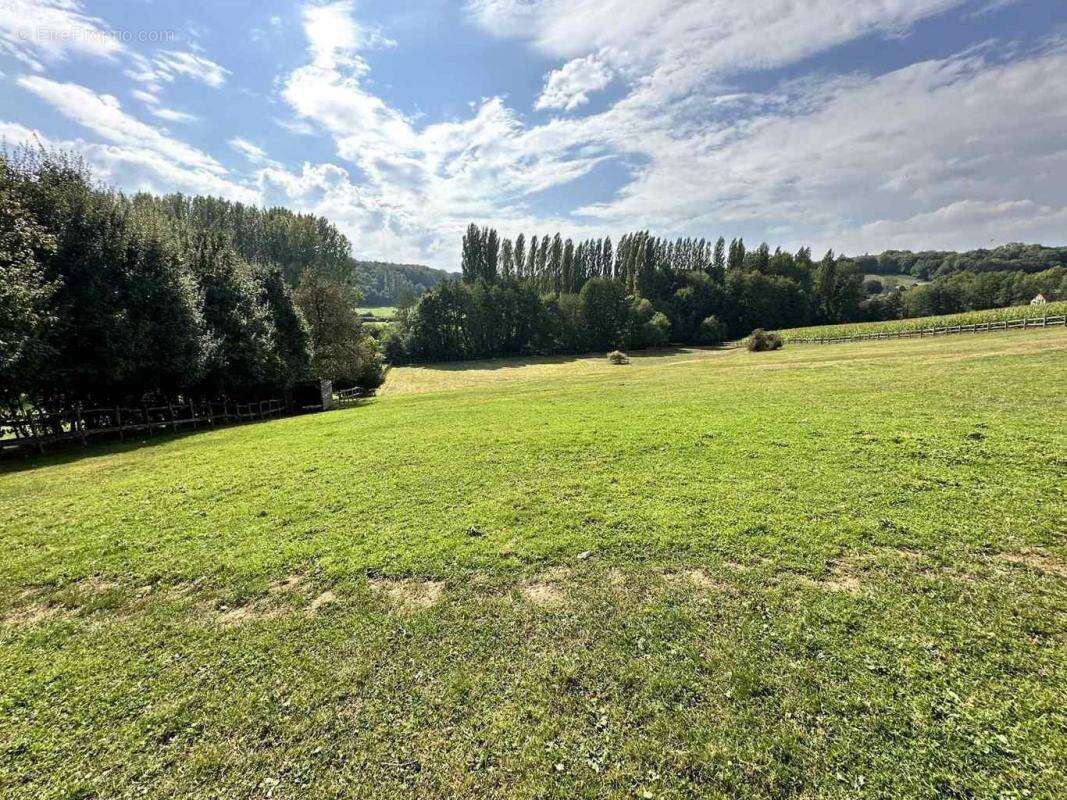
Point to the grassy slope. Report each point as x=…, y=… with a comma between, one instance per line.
x=832, y=571
x=891, y=281
x=917, y=323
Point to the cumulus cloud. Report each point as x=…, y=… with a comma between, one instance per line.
x=420, y=182
x=135, y=168
x=674, y=45
x=820, y=160
x=134, y=154
x=919, y=138
x=38, y=32
x=949, y=152
x=569, y=86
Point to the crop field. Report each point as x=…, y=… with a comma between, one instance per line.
x=917, y=323
x=821, y=572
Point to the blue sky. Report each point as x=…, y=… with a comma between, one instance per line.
x=853, y=124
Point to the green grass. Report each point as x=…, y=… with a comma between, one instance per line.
x=820, y=572
x=379, y=311
x=892, y=281
x=917, y=323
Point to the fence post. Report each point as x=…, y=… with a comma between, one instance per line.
x=79, y=424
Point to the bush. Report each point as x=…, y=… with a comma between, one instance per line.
x=618, y=357
x=711, y=331
x=394, y=344
x=657, y=331
x=371, y=372
x=761, y=340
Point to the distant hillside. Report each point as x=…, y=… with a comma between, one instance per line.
x=937, y=263
x=385, y=284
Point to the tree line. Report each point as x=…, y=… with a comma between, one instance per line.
x=386, y=284
x=107, y=298
x=548, y=294
x=931, y=264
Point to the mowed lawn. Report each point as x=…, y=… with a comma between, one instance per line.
x=835, y=571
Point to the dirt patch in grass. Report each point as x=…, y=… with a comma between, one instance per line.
x=34, y=606
x=290, y=583
x=834, y=582
x=35, y=614
x=250, y=612
x=544, y=590
x=1035, y=559
x=95, y=584
x=738, y=566
x=842, y=575
x=325, y=599
x=410, y=594
x=696, y=578
x=542, y=595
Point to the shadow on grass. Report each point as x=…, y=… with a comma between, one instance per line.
x=515, y=362
x=69, y=451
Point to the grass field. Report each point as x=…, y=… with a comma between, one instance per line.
x=834, y=571
x=917, y=323
x=386, y=312
x=892, y=281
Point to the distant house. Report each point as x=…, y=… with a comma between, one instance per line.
x=1039, y=300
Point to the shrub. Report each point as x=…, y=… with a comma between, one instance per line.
x=657, y=331
x=393, y=341
x=711, y=331
x=761, y=340
x=618, y=357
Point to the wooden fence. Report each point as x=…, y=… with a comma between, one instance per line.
x=349, y=397
x=37, y=430
x=920, y=333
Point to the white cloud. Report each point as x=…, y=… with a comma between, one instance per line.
x=831, y=161
x=569, y=86
x=172, y=115
x=135, y=168
x=252, y=152
x=42, y=31
x=961, y=225
x=913, y=141
x=135, y=155
x=420, y=183
x=145, y=97
x=166, y=66
x=674, y=45
x=945, y=153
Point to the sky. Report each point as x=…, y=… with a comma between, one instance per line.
x=858, y=125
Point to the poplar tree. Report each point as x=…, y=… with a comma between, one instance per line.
x=555, y=264
x=718, y=260
x=490, y=254
x=519, y=256
x=507, y=264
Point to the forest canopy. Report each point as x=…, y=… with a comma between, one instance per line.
x=110, y=298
